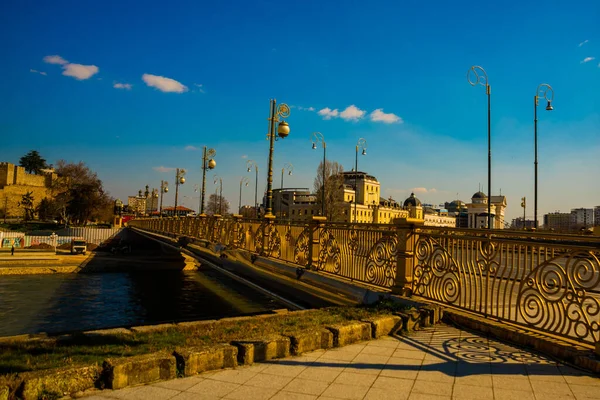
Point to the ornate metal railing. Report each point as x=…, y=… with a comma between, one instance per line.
x=549, y=283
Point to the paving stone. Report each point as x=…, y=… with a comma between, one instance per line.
x=427, y=396
x=397, y=384
x=284, y=370
x=306, y=386
x=293, y=396
x=269, y=381
x=180, y=384
x=585, y=391
x=378, y=351
x=323, y=374
x=509, y=394
x=251, y=393
x=511, y=382
x=470, y=392
x=213, y=388
x=239, y=376
x=474, y=380
x=340, y=391
x=433, y=387
x=193, y=396
x=351, y=378
x=543, y=388
x=410, y=354
x=385, y=393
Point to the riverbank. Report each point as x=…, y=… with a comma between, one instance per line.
x=34, y=364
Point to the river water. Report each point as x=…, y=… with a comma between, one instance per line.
x=72, y=302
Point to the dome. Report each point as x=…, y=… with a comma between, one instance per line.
x=479, y=195
x=412, y=201
x=457, y=203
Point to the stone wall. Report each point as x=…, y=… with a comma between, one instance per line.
x=15, y=182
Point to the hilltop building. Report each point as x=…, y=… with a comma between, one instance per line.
x=15, y=182
x=477, y=211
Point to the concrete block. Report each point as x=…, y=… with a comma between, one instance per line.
x=122, y=372
x=152, y=328
x=59, y=382
x=197, y=324
x=251, y=351
x=344, y=334
x=108, y=332
x=192, y=361
x=384, y=325
x=310, y=341
x=411, y=319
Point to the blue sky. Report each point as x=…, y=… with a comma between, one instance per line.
x=136, y=88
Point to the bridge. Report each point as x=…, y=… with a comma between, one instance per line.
x=546, y=283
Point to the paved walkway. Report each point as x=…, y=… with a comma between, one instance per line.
x=437, y=363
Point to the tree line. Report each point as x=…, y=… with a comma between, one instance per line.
x=76, y=195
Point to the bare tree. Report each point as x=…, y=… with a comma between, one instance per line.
x=217, y=205
x=333, y=184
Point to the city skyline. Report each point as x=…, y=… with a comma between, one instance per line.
x=136, y=92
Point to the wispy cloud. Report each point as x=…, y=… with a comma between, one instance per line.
x=163, y=169
x=164, y=84
x=352, y=113
x=200, y=87
x=306, y=108
x=245, y=156
x=191, y=148
x=387, y=118
x=55, y=60
x=78, y=71
x=423, y=190
x=584, y=42
x=328, y=113
x=587, y=59
x=126, y=86
x=38, y=72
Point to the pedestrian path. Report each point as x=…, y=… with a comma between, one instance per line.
x=437, y=363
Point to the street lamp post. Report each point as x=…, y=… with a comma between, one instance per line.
x=481, y=78
x=362, y=143
x=249, y=165
x=318, y=137
x=243, y=181
x=217, y=179
x=283, y=130
x=164, y=188
x=207, y=162
x=547, y=93
x=290, y=168
x=53, y=237
x=179, y=180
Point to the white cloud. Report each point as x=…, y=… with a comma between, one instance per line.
x=38, y=72
x=328, y=113
x=126, y=86
x=79, y=71
x=584, y=42
x=306, y=108
x=588, y=59
x=352, y=113
x=423, y=190
x=191, y=148
x=55, y=60
x=163, y=169
x=379, y=116
x=245, y=156
x=200, y=87
x=164, y=84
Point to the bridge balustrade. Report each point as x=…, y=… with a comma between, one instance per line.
x=546, y=282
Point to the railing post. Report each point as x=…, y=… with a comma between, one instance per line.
x=236, y=230
x=405, y=261
x=269, y=221
x=314, y=245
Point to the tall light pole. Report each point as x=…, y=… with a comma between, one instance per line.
x=362, y=143
x=243, y=181
x=217, y=179
x=547, y=93
x=164, y=188
x=249, y=165
x=318, y=137
x=290, y=168
x=179, y=180
x=283, y=130
x=207, y=162
x=477, y=76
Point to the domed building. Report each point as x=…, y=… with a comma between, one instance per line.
x=414, y=207
x=477, y=211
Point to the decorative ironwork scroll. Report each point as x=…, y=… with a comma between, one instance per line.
x=329, y=252
x=382, y=261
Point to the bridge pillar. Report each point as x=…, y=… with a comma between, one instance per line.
x=314, y=245
x=405, y=261
x=267, y=227
x=237, y=227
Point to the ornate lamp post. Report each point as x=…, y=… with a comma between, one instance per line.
x=243, y=181
x=544, y=90
x=207, y=162
x=217, y=179
x=318, y=137
x=249, y=165
x=179, y=180
x=164, y=188
x=477, y=76
x=290, y=168
x=283, y=129
x=361, y=144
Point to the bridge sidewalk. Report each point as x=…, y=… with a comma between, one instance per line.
x=438, y=363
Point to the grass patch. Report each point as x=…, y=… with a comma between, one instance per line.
x=80, y=350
